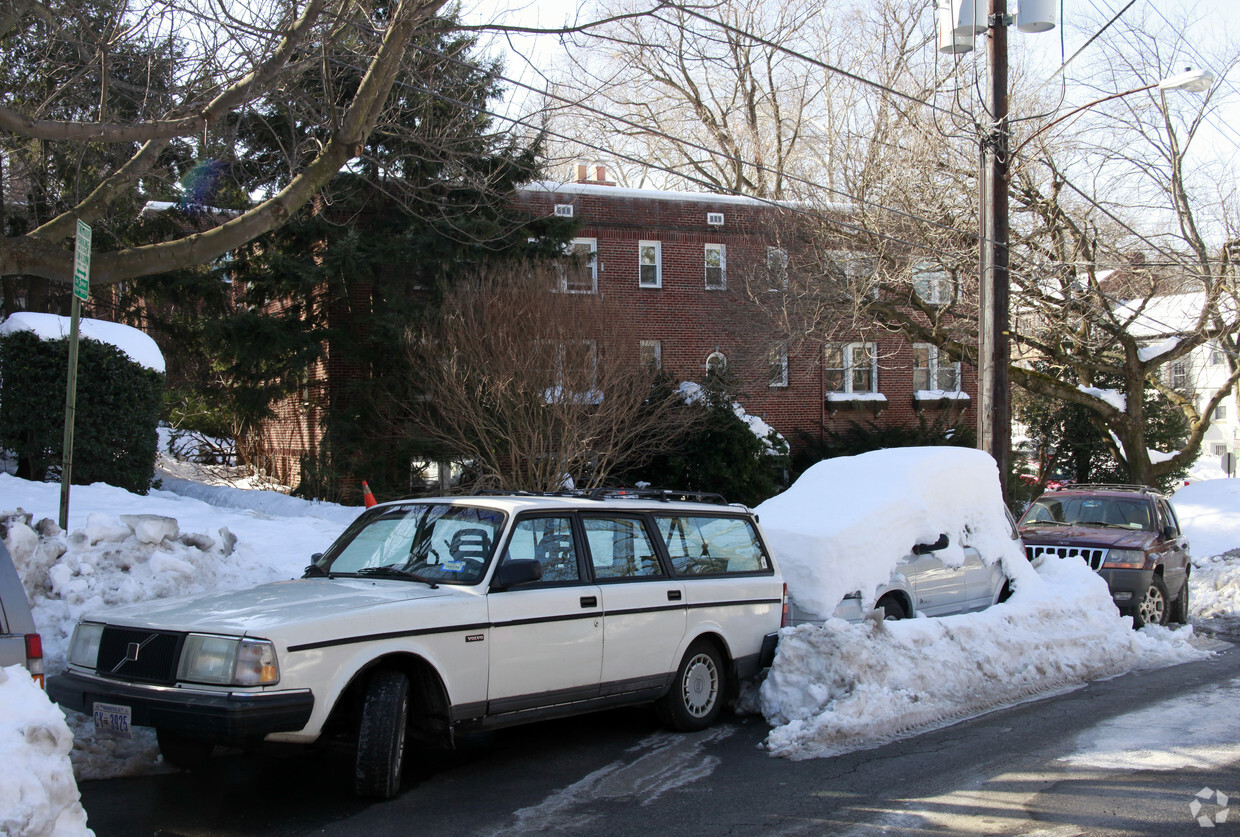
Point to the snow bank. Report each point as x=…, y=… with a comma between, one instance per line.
x=37, y=793
x=846, y=522
x=138, y=345
x=842, y=686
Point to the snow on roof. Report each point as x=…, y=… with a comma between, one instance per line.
x=598, y=189
x=846, y=522
x=140, y=348
x=1166, y=315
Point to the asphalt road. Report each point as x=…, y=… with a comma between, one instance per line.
x=618, y=773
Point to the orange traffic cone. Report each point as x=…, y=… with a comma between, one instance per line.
x=367, y=498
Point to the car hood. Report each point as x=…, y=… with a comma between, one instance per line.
x=1097, y=536
x=279, y=605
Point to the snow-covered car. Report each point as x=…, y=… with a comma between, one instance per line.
x=1129, y=534
x=431, y=617
x=903, y=531
x=20, y=643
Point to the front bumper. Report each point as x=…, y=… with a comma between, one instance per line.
x=1128, y=587
x=221, y=715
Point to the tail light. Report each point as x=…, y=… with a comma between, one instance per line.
x=34, y=658
x=786, y=617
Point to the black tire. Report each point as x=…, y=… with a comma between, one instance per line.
x=182, y=751
x=1179, y=608
x=696, y=697
x=892, y=609
x=381, y=733
x=1153, y=607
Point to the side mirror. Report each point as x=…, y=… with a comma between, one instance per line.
x=516, y=572
x=1168, y=532
x=927, y=548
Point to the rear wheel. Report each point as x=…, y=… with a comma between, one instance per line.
x=1152, y=609
x=696, y=697
x=381, y=735
x=892, y=609
x=182, y=751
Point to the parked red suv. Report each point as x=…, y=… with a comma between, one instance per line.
x=1128, y=533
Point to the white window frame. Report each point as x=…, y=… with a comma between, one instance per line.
x=778, y=359
x=777, y=265
x=935, y=278
x=933, y=369
x=714, y=359
x=592, y=266
x=558, y=390
x=722, y=250
x=848, y=353
x=1220, y=412
x=653, y=348
x=658, y=263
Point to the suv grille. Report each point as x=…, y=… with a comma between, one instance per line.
x=1094, y=556
x=148, y=656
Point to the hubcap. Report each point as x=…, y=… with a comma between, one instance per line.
x=1153, y=606
x=701, y=685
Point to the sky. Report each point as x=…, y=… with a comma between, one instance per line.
x=835, y=687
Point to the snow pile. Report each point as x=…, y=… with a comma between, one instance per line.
x=138, y=345
x=842, y=686
x=846, y=522
x=37, y=793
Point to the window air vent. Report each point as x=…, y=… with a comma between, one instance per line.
x=715, y=219
x=564, y=210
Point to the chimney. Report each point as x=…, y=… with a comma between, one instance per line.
x=582, y=171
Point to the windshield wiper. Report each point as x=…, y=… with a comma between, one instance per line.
x=315, y=571
x=396, y=572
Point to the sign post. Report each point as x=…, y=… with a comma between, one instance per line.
x=1228, y=463
x=81, y=290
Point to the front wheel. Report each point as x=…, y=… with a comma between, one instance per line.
x=893, y=609
x=1179, y=608
x=696, y=697
x=381, y=735
x=1152, y=609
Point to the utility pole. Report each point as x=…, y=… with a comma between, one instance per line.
x=994, y=414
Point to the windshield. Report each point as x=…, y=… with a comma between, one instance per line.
x=1089, y=511
x=431, y=542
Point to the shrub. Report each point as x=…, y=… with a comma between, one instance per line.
x=116, y=413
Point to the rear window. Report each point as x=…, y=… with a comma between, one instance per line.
x=704, y=545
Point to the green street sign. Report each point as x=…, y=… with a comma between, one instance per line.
x=81, y=261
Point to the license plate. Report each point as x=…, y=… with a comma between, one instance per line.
x=113, y=718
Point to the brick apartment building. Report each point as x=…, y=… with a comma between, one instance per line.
x=685, y=267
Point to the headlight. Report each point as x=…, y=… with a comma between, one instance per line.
x=1128, y=559
x=228, y=661
x=84, y=647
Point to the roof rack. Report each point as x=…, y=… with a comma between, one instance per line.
x=665, y=495
x=1111, y=486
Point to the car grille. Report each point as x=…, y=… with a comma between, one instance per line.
x=147, y=656
x=1092, y=555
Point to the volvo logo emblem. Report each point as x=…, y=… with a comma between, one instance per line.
x=131, y=653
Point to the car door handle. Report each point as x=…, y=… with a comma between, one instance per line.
x=673, y=595
x=589, y=601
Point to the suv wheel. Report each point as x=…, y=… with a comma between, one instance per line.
x=1152, y=609
x=893, y=609
x=1179, y=609
x=696, y=698
x=381, y=735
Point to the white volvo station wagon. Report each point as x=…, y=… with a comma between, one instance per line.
x=435, y=616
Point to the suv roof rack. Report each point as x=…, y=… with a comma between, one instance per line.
x=664, y=495
x=1110, y=486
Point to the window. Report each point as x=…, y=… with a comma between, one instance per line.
x=650, y=354
x=564, y=210
x=569, y=371
x=1220, y=412
x=716, y=267
x=777, y=266
x=711, y=545
x=620, y=548
x=650, y=264
x=778, y=359
x=716, y=363
x=1216, y=355
x=579, y=274
x=549, y=541
x=851, y=367
x=930, y=374
x=714, y=219
x=932, y=284
x=1218, y=448
x=1179, y=374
